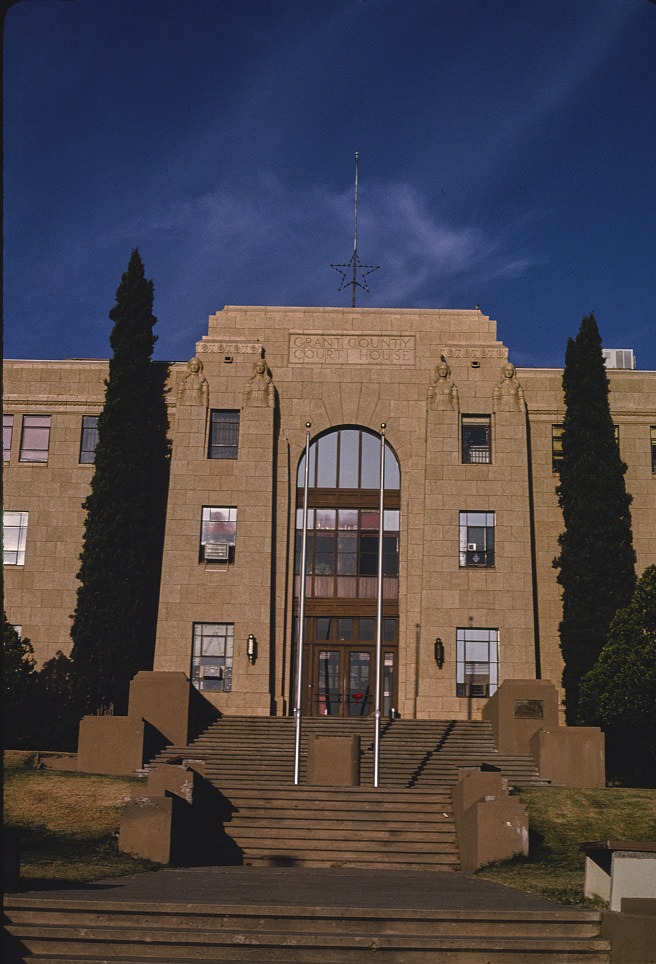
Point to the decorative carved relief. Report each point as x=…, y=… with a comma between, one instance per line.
x=456, y=352
x=260, y=391
x=194, y=389
x=508, y=393
x=442, y=393
x=229, y=347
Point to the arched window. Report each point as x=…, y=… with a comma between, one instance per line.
x=348, y=458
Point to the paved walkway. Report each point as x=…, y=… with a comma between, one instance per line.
x=303, y=886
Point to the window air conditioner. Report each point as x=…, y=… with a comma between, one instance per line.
x=217, y=551
x=479, y=689
x=471, y=547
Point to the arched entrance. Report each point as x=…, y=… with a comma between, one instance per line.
x=341, y=573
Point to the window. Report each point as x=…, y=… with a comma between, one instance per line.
x=35, y=439
x=211, y=660
x=342, y=553
x=14, y=538
x=477, y=659
x=348, y=458
x=652, y=433
x=217, y=533
x=7, y=429
x=89, y=438
x=477, y=539
x=476, y=438
x=224, y=435
x=557, y=445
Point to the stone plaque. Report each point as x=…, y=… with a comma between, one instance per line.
x=529, y=709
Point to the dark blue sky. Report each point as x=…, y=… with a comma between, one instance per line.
x=507, y=158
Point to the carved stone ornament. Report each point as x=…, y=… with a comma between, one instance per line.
x=508, y=393
x=260, y=391
x=442, y=393
x=468, y=352
x=229, y=347
x=194, y=389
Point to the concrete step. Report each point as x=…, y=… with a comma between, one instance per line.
x=557, y=923
x=81, y=932
x=296, y=830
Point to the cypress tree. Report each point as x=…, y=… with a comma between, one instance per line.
x=597, y=560
x=115, y=619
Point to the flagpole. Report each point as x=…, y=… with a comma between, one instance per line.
x=355, y=234
x=379, y=608
x=301, y=615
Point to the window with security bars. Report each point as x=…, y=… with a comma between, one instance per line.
x=477, y=539
x=652, y=433
x=224, y=435
x=477, y=662
x=35, y=438
x=211, y=658
x=14, y=538
x=89, y=438
x=7, y=431
x=476, y=438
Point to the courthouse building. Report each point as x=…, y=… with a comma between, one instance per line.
x=471, y=520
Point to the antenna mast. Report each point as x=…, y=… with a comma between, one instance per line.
x=355, y=263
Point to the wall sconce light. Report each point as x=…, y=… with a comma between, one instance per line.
x=439, y=653
x=251, y=648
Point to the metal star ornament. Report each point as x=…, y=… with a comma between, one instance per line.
x=349, y=271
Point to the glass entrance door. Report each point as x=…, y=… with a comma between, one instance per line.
x=340, y=681
x=340, y=666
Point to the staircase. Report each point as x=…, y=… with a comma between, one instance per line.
x=406, y=823
x=341, y=827
x=43, y=931
x=419, y=754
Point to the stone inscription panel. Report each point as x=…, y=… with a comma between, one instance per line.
x=312, y=348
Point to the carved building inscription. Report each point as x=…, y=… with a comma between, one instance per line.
x=351, y=349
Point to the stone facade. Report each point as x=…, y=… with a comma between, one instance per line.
x=426, y=374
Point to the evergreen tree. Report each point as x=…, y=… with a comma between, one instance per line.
x=116, y=614
x=596, y=561
x=620, y=690
x=17, y=666
x=17, y=683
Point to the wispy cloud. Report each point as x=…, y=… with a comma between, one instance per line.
x=277, y=245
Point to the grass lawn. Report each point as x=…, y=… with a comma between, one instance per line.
x=68, y=822
x=560, y=818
